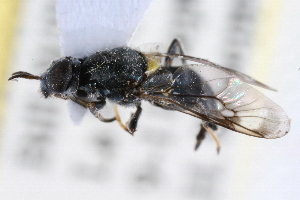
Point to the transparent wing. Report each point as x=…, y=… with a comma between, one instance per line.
x=243, y=77
x=217, y=95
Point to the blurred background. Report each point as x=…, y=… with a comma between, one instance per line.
x=45, y=156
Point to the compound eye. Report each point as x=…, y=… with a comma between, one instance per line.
x=59, y=75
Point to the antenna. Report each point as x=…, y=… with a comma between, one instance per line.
x=25, y=75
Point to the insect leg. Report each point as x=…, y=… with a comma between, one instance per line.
x=93, y=107
x=82, y=103
x=118, y=118
x=200, y=137
x=131, y=124
x=175, y=48
x=210, y=128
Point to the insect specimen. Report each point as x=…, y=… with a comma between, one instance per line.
x=217, y=95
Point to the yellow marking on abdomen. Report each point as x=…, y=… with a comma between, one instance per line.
x=153, y=63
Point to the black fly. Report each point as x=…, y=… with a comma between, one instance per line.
x=124, y=76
